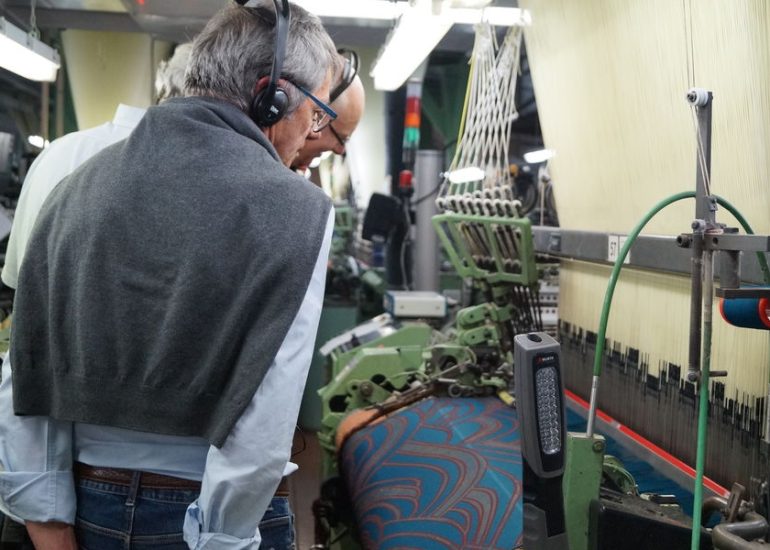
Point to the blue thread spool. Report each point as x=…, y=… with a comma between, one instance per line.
x=746, y=312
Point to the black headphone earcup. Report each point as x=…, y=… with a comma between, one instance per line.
x=268, y=111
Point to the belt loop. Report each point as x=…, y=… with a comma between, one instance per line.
x=133, y=491
x=136, y=482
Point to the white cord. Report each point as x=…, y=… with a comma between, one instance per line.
x=491, y=110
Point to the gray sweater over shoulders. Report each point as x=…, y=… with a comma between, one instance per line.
x=163, y=275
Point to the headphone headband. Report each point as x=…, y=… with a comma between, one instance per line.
x=349, y=72
x=282, y=16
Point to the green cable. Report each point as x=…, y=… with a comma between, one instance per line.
x=700, y=453
x=703, y=403
x=616, y=272
x=700, y=458
x=605, y=314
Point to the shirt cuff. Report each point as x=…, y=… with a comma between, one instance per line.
x=199, y=540
x=36, y=496
x=289, y=469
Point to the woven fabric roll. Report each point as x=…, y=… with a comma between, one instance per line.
x=441, y=474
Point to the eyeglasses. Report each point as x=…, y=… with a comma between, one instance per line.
x=342, y=142
x=321, y=117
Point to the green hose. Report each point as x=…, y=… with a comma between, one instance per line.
x=700, y=453
x=703, y=391
x=627, y=246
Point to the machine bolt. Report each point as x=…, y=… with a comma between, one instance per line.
x=366, y=389
x=684, y=240
x=598, y=446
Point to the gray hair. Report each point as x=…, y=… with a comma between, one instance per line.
x=169, y=78
x=236, y=47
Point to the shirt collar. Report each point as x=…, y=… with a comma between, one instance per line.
x=128, y=116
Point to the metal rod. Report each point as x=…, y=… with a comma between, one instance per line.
x=767, y=416
x=696, y=307
x=702, y=268
x=592, y=407
x=702, y=99
x=45, y=96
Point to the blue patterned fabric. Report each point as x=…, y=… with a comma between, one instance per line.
x=441, y=474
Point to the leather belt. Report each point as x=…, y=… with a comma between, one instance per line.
x=121, y=476
x=283, y=488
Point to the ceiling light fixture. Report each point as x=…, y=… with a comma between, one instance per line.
x=38, y=141
x=415, y=35
x=420, y=29
x=465, y=175
x=26, y=55
x=541, y=155
x=500, y=17
x=360, y=9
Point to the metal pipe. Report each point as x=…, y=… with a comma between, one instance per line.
x=45, y=99
x=427, y=177
x=592, y=407
x=701, y=99
x=738, y=535
x=767, y=416
x=696, y=305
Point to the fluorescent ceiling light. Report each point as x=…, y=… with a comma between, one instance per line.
x=501, y=17
x=542, y=155
x=419, y=30
x=388, y=10
x=408, y=44
x=26, y=55
x=465, y=175
x=38, y=141
x=360, y=9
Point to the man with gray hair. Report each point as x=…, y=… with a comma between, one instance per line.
x=347, y=98
x=166, y=310
x=169, y=78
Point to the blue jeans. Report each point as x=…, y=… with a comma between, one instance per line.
x=119, y=517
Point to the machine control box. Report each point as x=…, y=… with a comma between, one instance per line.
x=540, y=398
x=415, y=304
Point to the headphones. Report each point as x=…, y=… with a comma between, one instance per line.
x=349, y=72
x=270, y=105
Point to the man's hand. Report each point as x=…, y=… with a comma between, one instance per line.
x=52, y=535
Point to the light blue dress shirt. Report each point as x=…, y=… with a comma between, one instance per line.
x=238, y=479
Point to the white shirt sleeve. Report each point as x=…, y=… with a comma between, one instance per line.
x=241, y=476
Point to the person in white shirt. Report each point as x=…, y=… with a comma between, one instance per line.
x=65, y=154
x=52, y=165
